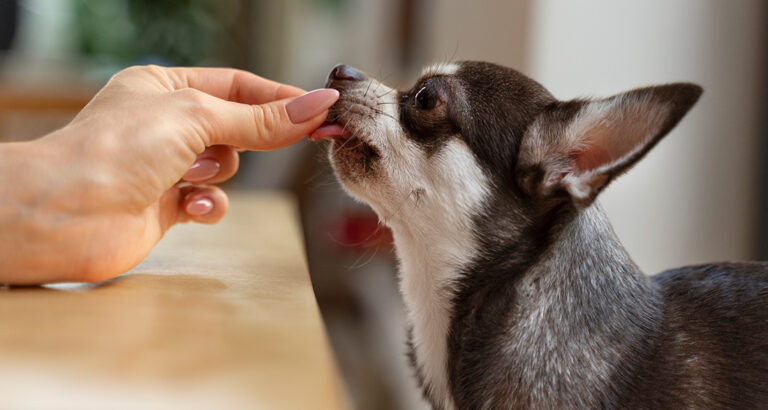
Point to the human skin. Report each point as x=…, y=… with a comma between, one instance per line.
x=89, y=201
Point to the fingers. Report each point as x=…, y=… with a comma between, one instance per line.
x=184, y=203
x=238, y=108
x=202, y=204
x=230, y=84
x=216, y=164
x=272, y=125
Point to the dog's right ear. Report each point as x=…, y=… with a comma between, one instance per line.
x=577, y=147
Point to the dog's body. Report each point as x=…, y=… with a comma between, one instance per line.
x=518, y=291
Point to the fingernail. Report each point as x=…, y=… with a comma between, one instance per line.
x=311, y=104
x=199, y=207
x=202, y=169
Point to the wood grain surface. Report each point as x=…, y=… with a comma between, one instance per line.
x=217, y=317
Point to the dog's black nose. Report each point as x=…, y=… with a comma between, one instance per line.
x=343, y=72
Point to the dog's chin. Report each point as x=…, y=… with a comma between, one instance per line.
x=354, y=159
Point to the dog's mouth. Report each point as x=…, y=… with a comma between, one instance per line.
x=346, y=144
x=329, y=131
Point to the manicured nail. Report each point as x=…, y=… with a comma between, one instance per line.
x=199, y=207
x=310, y=104
x=202, y=169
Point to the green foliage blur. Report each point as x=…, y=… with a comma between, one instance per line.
x=169, y=32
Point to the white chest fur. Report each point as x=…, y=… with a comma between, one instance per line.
x=427, y=291
x=435, y=241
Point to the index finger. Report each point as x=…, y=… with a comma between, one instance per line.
x=231, y=84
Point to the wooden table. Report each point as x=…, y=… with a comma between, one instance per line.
x=217, y=317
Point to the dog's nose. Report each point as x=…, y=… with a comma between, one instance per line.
x=343, y=72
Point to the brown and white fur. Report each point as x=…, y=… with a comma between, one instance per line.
x=518, y=292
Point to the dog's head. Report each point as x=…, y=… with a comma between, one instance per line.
x=470, y=132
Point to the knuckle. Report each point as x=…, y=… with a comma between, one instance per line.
x=136, y=72
x=196, y=106
x=190, y=95
x=135, y=69
x=193, y=101
x=123, y=74
x=266, y=119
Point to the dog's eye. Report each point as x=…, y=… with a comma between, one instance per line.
x=426, y=98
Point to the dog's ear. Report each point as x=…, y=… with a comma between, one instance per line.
x=577, y=147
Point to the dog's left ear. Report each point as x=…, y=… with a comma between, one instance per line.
x=578, y=147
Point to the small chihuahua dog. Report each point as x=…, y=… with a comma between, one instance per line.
x=518, y=292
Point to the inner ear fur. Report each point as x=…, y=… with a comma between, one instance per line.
x=577, y=147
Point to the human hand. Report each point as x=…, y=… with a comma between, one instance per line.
x=89, y=201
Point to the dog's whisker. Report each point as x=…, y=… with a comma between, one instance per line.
x=400, y=206
x=378, y=111
x=313, y=177
x=388, y=92
x=344, y=143
x=361, y=242
x=358, y=266
x=343, y=130
x=368, y=107
x=345, y=112
x=367, y=88
x=359, y=144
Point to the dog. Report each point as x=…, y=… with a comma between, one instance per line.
x=517, y=290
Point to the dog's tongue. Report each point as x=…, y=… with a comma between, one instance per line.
x=327, y=131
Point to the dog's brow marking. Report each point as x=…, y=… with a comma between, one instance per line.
x=441, y=69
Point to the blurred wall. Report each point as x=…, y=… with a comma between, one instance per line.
x=492, y=30
x=45, y=31
x=694, y=197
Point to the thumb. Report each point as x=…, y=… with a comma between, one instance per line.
x=272, y=125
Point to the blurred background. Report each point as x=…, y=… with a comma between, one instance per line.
x=699, y=196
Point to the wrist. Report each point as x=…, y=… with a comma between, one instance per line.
x=16, y=208
x=28, y=221
x=20, y=194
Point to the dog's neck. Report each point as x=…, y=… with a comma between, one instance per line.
x=434, y=243
x=576, y=311
x=575, y=317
